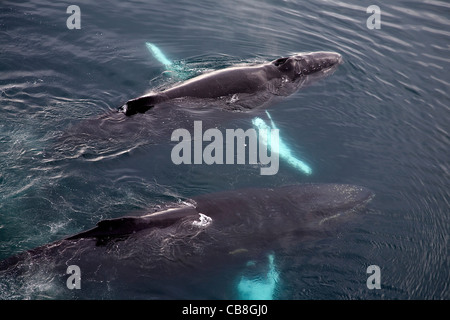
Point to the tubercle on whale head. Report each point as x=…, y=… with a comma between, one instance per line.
x=312, y=62
x=303, y=64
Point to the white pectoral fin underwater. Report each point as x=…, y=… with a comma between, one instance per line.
x=283, y=149
x=174, y=69
x=261, y=285
x=158, y=55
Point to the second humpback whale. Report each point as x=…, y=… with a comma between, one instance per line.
x=280, y=77
x=184, y=248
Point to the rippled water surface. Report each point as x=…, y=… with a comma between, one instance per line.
x=380, y=121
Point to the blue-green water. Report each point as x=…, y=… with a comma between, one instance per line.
x=381, y=121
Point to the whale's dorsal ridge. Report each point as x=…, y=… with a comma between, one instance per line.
x=123, y=226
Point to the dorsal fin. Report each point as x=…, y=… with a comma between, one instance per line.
x=128, y=225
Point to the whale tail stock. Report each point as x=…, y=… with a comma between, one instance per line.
x=138, y=105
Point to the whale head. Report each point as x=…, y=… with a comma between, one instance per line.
x=304, y=64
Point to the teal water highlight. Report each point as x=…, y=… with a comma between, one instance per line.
x=261, y=287
x=157, y=53
x=175, y=70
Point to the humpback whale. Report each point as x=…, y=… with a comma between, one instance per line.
x=161, y=254
x=280, y=77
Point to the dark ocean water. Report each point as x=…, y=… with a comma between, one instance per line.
x=380, y=121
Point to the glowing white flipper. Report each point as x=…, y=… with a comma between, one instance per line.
x=259, y=288
x=284, y=151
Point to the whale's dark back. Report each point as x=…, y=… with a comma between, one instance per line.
x=256, y=85
x=277, y=209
